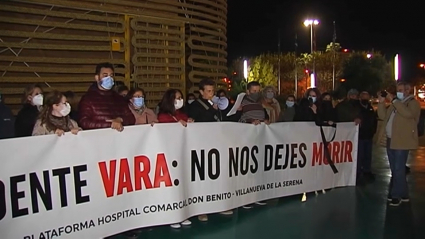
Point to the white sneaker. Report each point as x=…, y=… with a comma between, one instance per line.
x=247, y=206
x=175, y=226
x=203, y=218
x=226, y=213
x=186, y=223
x=261, y=203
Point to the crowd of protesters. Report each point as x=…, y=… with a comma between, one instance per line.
x=106, y=106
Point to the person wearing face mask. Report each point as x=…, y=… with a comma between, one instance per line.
x=171, y=108
x=54, y=117
x=204, y=109
x=308, y=107
x=141, y=112
x=289, y=111
x=190, y=99
x=102, y=107
x=366, y=132
x=349, y=109
x=253, y=111
x=32, y=104
x=399, y=134
x=270, y=104
x=326, y=110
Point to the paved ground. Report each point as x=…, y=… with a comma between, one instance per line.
x=346, y=213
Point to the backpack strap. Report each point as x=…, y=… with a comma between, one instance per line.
x=207, y=108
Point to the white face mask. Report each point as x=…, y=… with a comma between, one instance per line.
x=190, y=101
x=66, y=109
x=178, y=104
x=37, y=100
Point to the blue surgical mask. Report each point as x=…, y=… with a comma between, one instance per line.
x=138, y=102
x=290, y=103
x=107, y=82
x=400, y=95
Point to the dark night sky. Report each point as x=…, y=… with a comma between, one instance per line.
x=360, y=25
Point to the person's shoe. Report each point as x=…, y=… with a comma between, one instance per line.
x=186, y=223
x=247, y=206
x=175, y=225
x=227, y=213
x=261, y=203
x=395, y=202
x=405, y=199
x=203, y=218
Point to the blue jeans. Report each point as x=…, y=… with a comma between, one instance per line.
x=397, y=159
x=364, y=156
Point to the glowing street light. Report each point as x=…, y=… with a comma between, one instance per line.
x=245, y=69
x=311, y=23
x=312, y=81
x=396, y=67
x=369, y=56
x=422, y=66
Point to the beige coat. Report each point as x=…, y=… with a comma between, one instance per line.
x=405, y=124
x=40, y=129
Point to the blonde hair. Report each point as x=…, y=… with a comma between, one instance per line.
x=269, y=87
x=28, y=91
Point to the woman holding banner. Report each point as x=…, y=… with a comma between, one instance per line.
x=142, y=114
x=171, y=108
x=54, y=117
x=170, y=111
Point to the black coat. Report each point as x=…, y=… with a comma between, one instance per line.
x=25, y=120
x=7, y=122
x=369, y=122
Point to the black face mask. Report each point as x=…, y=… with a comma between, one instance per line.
x=364, y=102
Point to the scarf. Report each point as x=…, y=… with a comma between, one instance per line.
x=53, y=123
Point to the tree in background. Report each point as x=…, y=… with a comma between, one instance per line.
x=366, y=74
x=357, y=70
x=262, y=69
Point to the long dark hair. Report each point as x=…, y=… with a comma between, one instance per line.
x=166, y=105
x=52, y=98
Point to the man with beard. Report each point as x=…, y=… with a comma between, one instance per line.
x=101, y=107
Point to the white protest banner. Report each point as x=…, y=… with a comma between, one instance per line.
x=102, y=182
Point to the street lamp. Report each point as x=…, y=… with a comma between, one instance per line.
x=422, y=66
x=396, y=67
x=245, y=72
x=369, y=56
x=311, y=23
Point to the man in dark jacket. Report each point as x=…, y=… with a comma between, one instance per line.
x=368, y=126
x=101, y=107
x=204, y=109
x=349, y=109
